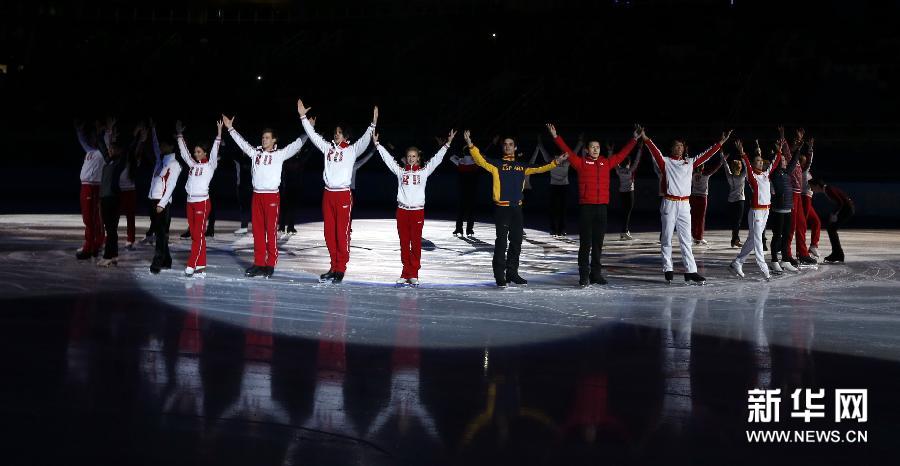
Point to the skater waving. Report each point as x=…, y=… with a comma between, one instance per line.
x=411, y=180
x=201, y=167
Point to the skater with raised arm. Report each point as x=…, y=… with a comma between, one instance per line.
x=162, y=186
x=265, y=167
x=91, y=172
x=201, y=168
x=813, y=223
x=593, y=198
x=675, y=172
x=508, y=176
x=626, y=171
x=737, y=178
x=758, y=214
x=337, y=200
x=699, y=197
x=411, y=180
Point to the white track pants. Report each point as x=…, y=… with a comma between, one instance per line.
x=756, y=219
x=676, y=214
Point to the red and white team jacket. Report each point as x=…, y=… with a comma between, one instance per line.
x=411, y=181
x=199, y=173
x=92, y=167
x=759, y=182
x=675, y=175
x=165, y=174
x=265, y=166
x=339, y=158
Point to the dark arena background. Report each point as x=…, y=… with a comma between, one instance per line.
x=117, y=365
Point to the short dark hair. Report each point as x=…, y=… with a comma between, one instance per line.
x=270, y=131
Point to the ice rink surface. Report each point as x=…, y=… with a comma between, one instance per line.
x=119, y=366
x=853, y=306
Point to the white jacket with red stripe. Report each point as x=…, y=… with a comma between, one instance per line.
x=92, y=167
x=339, y=158
x=199, y=173
x=675, y=174
x=411, y=181
x=165, y=175
x=265, y=166
x=759, y=183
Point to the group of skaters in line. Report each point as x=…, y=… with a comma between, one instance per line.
x=782, y=187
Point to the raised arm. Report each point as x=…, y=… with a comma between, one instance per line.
x=726, y=164
x=386, y=156
x=214, y=152
x=182, y=146
x=712, y=169
x=82, y=139
x=541, y=169
x=620, y=156
x=435, y=161
x=366, y=138
x=242, y=143
x=476, y=154
x=574, y=158
x=154, y=142
x=308, y=126
x=809, y=157
x=655, y=153
x=546, y=155
x=291, y=149
x=712, y=150
x=637, y=159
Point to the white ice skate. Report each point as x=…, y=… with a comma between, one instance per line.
x=108, y=262
x=736, y=268
x=776, y=268
x=788, y=267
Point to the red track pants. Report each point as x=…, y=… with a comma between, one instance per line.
x=90, y=215
x=197, y=213
x=698, y=216
x=798, y=227
x=127, y=207
x=265, y=222
x=337, y=207
x=812, y=221
x=409, y=226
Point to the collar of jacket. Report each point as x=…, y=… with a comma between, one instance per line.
x=413, y=168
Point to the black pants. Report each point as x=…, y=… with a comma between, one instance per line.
x=160, y=222
x=627, y=206
x=781, y=234
x=287, y=216
x=591, y=229
x=558, y=208
x=843, y=217
x=152, y=214
x=465, y=211
x=109, y=212
x=244, y=196
x=736, y=211
x=508, y=222
x=211, y=217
